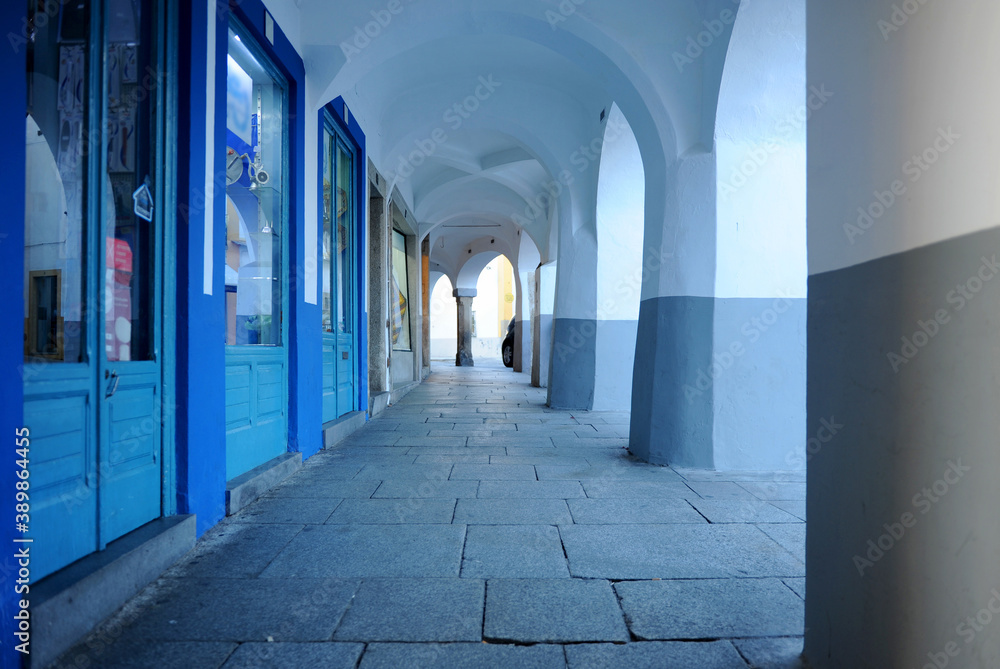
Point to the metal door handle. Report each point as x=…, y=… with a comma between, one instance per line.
x=112, y=385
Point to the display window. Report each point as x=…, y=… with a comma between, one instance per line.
x=400, y=298
x=256, y=149
x=338, y=214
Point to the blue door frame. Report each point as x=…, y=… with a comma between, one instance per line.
x=102, y=460
x=344, y=379
x=257, y=398
x=340, y=346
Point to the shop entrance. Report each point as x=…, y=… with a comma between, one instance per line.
x=340, y=365
x=94, y=255
x=256, y=232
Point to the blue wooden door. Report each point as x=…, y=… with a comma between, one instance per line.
x=94, y=254
x=256, y=240
x=339, y=275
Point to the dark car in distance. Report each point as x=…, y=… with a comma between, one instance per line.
x=507, y=347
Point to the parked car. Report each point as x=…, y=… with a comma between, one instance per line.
x=507, y=347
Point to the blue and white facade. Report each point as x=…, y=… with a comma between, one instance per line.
x=220, y=251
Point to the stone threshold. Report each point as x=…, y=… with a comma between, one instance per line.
x=70, y=603
x=245, y=488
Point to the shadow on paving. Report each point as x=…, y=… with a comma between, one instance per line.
x=471, y=526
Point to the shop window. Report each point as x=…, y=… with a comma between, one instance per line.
x=338, y=216
x=56, y=128
x=255, y=211
x=400, y=302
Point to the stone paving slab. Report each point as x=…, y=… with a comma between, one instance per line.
x=393, y=511
x=655, y=655
x=401, y=472
x=321, y=489
x=415, y=489
x=711, y=609
x=675, y=551
x=741, y=511
x=791, y=537
x=720, y=490
x=624, y=472
x=322, y=471
x=798, y=586
x=636, y=490
x=796, y=508
x=414, y=610
x=466, y=655
x=234, y=550
x=299, y=655
x=622, y=511
x=246, y=610
x=513, y=440
x=493, y=473
x=514, y=551
x=773, y=653
x=287, y=510
x=371, y=551
x=530, y=490
x=512, y=512
x=431, y=441
x=548, y=459
x=547, y=611
x=459, y=458
x=775, y=490
x=146, y=654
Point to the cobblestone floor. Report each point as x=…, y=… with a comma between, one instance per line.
x=471, y=526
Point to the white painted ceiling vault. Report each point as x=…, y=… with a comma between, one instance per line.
x=543, y=71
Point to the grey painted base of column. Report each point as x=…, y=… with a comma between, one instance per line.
x=904, y=378
x=574, y=357
x=758, y=371
x=673, y=343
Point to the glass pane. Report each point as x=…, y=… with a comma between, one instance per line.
x=55, y=184
x=129, y=207
x=328, y=257
x=400, y=304
x=345, y=210
x=254, y=206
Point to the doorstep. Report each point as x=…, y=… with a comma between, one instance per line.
x=336, y=431
x=245, y=488
x=70, y=603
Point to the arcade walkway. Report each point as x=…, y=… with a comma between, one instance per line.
x=470, y=526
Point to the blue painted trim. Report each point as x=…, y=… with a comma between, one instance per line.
x=351, y=131
x=304, y=349
x=201, y=437
x=12, y=112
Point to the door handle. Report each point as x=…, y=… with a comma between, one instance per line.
x=112, y=385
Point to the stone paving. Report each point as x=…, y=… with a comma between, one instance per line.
x=471, y=526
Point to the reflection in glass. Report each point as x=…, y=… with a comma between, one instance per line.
x=400, y=303
x=254, y=206
x=328, y=256
x=55, y=186
x=128, y=230
x=344, y=212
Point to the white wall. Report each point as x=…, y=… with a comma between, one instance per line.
x=621, y=203
x=761, y=154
